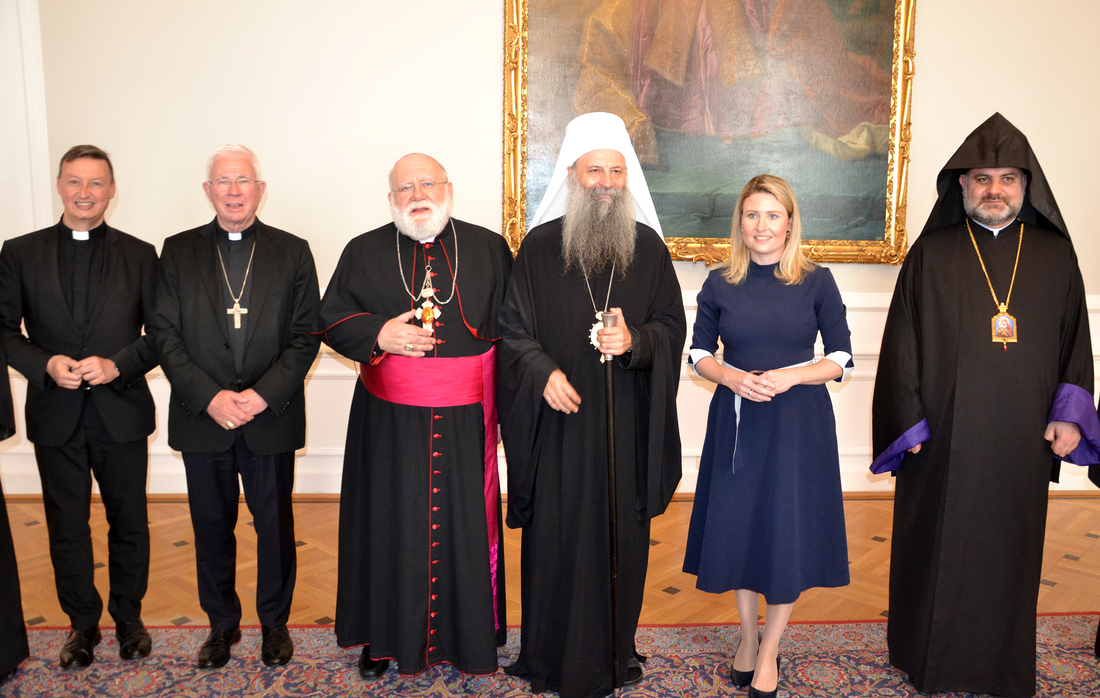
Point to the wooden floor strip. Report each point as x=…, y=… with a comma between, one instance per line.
x=1071, y=566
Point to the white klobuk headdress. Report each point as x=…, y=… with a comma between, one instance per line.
x=588, y=132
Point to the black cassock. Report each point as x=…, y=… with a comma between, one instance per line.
x=970, y=508
x=13, y=634
x=557, y=463
x=417, y=574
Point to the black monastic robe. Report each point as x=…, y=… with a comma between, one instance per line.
x=13, y=633
x=416, y=577
x=970, y=507
x=557, y=463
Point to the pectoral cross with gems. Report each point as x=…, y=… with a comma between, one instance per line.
x=428, y=314
x=236, y=311
x=428, y=310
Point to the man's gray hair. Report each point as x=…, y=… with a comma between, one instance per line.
x=233, y=149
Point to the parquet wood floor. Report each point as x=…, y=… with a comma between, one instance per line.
x=1071, y=566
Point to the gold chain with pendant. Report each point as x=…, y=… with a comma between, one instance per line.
x=1003, y=326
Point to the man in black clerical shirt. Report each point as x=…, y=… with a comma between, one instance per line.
x=84, y=292
x=237, y=302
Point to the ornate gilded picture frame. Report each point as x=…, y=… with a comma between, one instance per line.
x=714, y=92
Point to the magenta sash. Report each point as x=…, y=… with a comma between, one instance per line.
x=448, y=382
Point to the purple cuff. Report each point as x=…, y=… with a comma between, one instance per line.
x=1072, y=403
x=891, y=458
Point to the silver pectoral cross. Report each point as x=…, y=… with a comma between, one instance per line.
x=236, y=311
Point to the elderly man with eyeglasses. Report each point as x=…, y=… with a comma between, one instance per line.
x=236, y=306
x=421, y=577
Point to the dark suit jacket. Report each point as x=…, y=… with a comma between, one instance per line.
x=194, y=342
x=31, y=292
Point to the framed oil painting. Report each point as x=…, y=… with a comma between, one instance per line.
x=714, y=92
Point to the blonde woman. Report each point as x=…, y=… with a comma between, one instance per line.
x=768, y=517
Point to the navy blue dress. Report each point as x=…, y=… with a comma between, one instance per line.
x=775, y=522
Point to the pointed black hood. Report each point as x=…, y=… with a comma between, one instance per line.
x=996, y=143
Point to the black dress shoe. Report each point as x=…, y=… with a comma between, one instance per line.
x=78, y=650
x=276, y=647
x=741, y=679
x=634, y=672
x=133, y=639
x=215, y=652
x=371, y=668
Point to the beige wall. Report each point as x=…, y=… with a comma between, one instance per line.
x=329, y=94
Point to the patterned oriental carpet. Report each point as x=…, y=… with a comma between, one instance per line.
x=819, y=659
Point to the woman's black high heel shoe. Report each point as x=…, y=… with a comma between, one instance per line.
x=741, y=679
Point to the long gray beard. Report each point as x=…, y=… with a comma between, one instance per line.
x=595, y=235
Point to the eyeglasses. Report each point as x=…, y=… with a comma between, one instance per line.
x=426, y=187
x=242, y=183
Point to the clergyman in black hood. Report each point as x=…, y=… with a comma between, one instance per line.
x=984, y=384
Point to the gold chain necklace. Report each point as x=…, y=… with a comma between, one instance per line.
x=1003, y=325
x=236, y=311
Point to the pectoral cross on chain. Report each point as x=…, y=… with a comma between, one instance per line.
x=236, y=311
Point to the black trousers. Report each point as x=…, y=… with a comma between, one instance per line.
x=121, y=471
x=213, y=493
x=13, y=634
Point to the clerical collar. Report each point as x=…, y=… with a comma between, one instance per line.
x=85, y=235
x=997, y=231
x=425, y=241
x=237, y=237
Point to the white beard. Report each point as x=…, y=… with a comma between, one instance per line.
x=422, y=229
